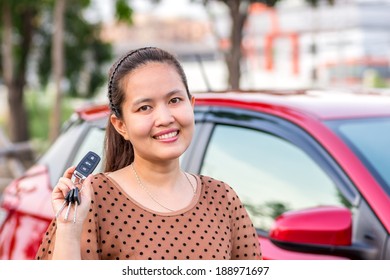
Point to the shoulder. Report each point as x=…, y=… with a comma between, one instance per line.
x=99, y=178
x=215, y=185
x=100, y=181
x=212, y=182
x=209, y=182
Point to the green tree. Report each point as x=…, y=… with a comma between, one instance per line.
x=57, y=59
x=87, y=53
x=19, y=21
x=26, y=25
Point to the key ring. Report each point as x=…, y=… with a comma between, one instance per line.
x=72, y=197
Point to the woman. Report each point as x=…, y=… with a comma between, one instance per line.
x=144, y=206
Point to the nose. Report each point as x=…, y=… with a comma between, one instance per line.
x=164, y=116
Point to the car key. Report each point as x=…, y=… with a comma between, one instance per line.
x=66, y=201
x=86, y=166
x=77, y=200
x=70, y=200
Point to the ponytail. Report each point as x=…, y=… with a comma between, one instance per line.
x=119, y=152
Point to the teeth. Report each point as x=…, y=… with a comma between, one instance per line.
x=166, y=136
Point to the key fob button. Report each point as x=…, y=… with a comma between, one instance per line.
x=88, y=164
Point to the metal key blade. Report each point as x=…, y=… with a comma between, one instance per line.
x=62, y=208
x=77, y=200
x=75, y=212
x=69, y=204
x=67, y=200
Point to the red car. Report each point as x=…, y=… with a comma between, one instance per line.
x=312, y=168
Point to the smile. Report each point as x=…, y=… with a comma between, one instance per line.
x=167, y=136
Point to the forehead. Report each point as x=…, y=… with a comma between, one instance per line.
x=152, y=71
x=150, y=75
x=151, y=66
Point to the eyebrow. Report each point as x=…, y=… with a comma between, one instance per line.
x=167, y=95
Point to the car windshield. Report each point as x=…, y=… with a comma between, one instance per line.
x=369, y=139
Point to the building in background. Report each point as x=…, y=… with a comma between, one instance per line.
x=180, y=27
x=291, y=46
x=348, y=44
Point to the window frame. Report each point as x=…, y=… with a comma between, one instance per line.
x=208, y=117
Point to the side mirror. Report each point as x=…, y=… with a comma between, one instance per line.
x=321, y=230
x=328, y=225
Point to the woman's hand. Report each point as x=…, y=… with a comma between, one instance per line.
x=62, y=188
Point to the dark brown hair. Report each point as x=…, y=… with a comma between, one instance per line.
x=118, y=151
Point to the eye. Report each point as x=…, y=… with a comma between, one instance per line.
x=144, y=108
x=175, y=100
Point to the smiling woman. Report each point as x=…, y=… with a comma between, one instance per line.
x=144, y=206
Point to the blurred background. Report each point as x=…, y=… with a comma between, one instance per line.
x=55, y=54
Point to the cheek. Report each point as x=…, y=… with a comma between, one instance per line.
x=188, y=120
x=138, y=128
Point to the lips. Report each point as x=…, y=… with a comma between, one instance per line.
x=166, y=135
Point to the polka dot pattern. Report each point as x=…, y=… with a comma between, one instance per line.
x=216, y=226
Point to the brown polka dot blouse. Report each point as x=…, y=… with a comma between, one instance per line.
x=214, y=226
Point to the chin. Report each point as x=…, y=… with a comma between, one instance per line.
x=172, y=155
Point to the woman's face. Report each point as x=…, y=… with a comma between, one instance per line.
x=157, y=113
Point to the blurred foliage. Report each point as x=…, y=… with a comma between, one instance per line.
x=263, y=215
x=123, y=11
x=38, y=105
x=85, y=53
x=28, y=50
x=373, y=79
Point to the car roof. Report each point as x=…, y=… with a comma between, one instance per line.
x=320, y=104
x=92, y=112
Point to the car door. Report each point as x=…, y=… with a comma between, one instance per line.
x=273, y=165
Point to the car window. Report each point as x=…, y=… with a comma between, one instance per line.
x=369, y=138
x=59, y=153
x=270, y=174
x=93, y=141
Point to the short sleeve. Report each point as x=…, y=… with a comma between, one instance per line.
x=245, y=242
x=45, y=250
x=89, y=239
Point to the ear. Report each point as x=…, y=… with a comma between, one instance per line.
x=119, y=126
x=192, y=101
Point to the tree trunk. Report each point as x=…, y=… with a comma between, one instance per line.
x=18, y=120
x=58, y=67
x=238, y=15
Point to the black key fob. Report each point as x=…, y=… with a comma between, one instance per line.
x=76, y=196
x=86, y=166
x=68, y=196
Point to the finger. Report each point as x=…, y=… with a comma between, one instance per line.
x=69, y=172
x=63, y=186
x=66, y=182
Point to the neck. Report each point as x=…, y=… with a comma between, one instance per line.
x=179, y=193
x=159, y=175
